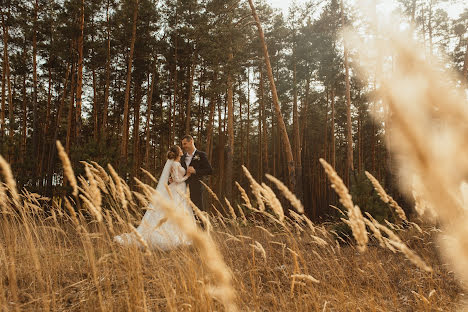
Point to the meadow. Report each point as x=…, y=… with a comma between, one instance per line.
x=252, y=260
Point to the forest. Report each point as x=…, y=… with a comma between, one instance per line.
x=120, y=82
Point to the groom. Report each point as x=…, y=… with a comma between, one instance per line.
x=195, y=162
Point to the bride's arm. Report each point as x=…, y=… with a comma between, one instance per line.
x=175, y=173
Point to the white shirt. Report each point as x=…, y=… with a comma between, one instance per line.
x=188, y=157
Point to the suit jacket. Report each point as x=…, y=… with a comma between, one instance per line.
x=203, y=168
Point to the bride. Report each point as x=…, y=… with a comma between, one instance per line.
x=155, y=229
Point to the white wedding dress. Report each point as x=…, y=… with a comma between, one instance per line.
x=154, y=229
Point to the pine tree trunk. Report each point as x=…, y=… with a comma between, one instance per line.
x=125, y=130
x=96, y=130
x=105, y=109
x=220, y=149
x=148, y=114
x=49, y=102
x=296, y=135
x=172, y=108
x=260, y=140
x=70, y=111
x=24, y=121
x=4, y=77
x=266, y=164
x=95, y=108
x=296, y=142
x=282, y=126
x=209, y=130
x=201, y=104
x=35, y=134
x=230, y=126
x=11, y=106
x=79, y=83
x=136, y=129
x=349, y=131
x=188, y=117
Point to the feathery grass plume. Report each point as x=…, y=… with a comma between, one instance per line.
x=296, y=217
x=272, y=201
x=72, y=213
x=223, y=290
x=140, y=239
x=95, y=194
x=118, y=186
x=9, y=180
x=148, y=191
x=421, y=205
x=3, y=199
x=356, y=220
x=456, y=249
x=231, y=209
x=203, y=216
x=295, y=202
x=385, y=197
x=242, y=214
x=102, y=172
x=376, y=224
x=149, y=175
x=396, y=242
x=375, y=232
x=258, y=247
x=109, y=222
x=230, y=236
x=212, y=193
x=428, y=130
x=219, y=216
x=256, y=189
x=265, y=230
x=305, y=277
x=244, y=196
x=101, y=184
x=141, y=198
x=319, y=241
x=95, y=211
x=416, y=226
x=67, y=168
x=127, y=191
x=309, y=223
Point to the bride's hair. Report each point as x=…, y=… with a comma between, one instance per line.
x=173, y=152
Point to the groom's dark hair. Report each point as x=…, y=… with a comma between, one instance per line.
x=188, y=137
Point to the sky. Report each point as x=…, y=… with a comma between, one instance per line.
x=452, y=9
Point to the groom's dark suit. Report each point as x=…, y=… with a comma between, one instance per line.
x=202, y=167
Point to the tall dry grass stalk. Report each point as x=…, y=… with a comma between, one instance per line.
x=295, y=202
x=10, y=182
x=256, y=189
x=67, y=168
x=222, y=276
x=428, y=130
x=356, y=220
x=386, y=198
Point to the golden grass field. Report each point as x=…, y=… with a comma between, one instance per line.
x=68, y=262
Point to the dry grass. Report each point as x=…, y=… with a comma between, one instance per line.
x=66, y=261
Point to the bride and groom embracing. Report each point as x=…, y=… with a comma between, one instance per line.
x=181, y=169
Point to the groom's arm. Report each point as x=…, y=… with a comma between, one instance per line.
x=205, y=166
